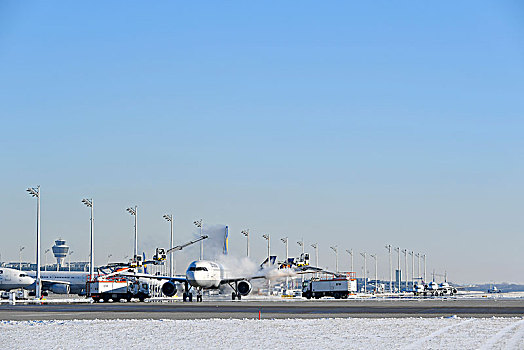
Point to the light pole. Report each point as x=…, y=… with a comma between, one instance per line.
x=267, y=237
x=365, y=272
x=20, y=258
x=246, y=233
x=169, y=218
x=388, y=247
x=47, y=251
x=424, y=257
x=134, y=212
x=336, y=257
x=35, y=192
x=418, y=265
x=412, y=253
x=374, y=256
x=301, y=243
x=399, y=274
x=89, y=203
x=315, y=246
x=405, y=252
x=285, y=241
x=200, y=224
x=350, y=252
x=69, y=256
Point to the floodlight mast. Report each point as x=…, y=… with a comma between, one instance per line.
x=334, y=248
x=350, y=252
x=374, y=256
x=424, y=257
x=365, y=271
x=399, y=274
x=200, y=224
x=412, y=253
x=405, y=252
x=285, y=241
x=388, y=247
x=35, y=192
x=315, y=246
x=89, y=203
x=418, y=265
x=246, y=233
x=301, y=243
x=134, y=212
x=20, y=258
x=268, y=238
x=170, y=219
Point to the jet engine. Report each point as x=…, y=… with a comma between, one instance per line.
x=59, y=288
x=169, y=289
x=244, y=287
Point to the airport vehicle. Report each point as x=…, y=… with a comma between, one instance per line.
x=14, y=279
x=117, y=288
x=494, y=289
x=338, y=287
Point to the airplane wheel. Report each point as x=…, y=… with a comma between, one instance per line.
x=451, y=294
x=190, y=297
x=184, y=297
x=239, y=296
x=233, y=296
x=96, y=300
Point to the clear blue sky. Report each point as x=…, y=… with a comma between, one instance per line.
x=345, y=123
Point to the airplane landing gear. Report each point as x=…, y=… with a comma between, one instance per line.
x=235, y=293
x=199, y=295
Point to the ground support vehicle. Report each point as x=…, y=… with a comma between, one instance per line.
x=116, y=289
x=340, y=286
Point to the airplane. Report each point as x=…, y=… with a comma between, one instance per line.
x=208, y=275
x=62, y=282
x=14, y=279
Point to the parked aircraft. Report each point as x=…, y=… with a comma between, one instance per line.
x=14, y=279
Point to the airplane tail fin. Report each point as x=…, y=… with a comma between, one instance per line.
x=273, y=260
x=226, y=241
x=144, y=257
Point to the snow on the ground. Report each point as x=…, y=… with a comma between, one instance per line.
x=350, y=333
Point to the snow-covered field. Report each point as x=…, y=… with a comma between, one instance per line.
x=351, y=333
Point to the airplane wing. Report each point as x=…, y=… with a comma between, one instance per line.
x=180, y=279
x=46, y=284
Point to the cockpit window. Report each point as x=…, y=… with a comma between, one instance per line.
x=198, y=268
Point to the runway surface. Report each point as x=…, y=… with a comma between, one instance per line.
x=268, y=309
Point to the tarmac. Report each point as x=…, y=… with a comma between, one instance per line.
x=280, y=309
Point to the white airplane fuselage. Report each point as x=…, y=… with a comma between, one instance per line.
x=14, y=279
x=205, y=274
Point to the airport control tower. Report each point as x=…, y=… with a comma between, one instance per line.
x=60, y=250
